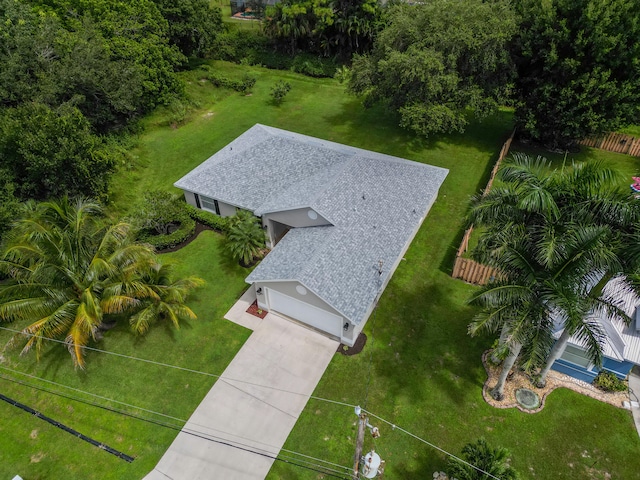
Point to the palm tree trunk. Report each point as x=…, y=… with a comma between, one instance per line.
x=498, y=391
x=504, y=333
x=555, y=354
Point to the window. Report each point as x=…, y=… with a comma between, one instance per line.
x=210, y=204
x=576, y=355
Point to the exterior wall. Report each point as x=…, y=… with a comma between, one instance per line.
x=588, y=373
x=289, y=288
x=298, y=218
x=190, y=198
x=226, y=210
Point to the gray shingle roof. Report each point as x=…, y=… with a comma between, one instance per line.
x=375, y=202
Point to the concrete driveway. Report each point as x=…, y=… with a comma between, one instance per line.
x=240, y=413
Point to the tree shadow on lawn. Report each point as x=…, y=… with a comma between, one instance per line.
x=377, y=128
x=420, y=466
x=422, y=345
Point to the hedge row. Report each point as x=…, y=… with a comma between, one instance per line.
x=253, y=48
x=187, y=228
x=218, y=223
x=162, y=242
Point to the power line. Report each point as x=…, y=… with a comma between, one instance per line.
x=396, y=427
x=176, y=367
x=202, y=435
x=153, y=362
x=149, y=411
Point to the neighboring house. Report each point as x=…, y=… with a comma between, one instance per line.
x=338, y=219
x=621, y=346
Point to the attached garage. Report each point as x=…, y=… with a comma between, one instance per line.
x=304, y=312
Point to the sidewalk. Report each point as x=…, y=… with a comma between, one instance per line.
x=634, y=394
x=240, y=414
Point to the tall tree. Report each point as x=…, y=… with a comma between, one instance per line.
x=328, y=27
x=52, y=152
x=437, y=61
x=69, y=271
x=193, y=24
x=578, y=64
x=556, y=233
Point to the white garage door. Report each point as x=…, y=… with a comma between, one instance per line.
x=305, y=313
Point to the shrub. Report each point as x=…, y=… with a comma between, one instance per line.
x=608, y=382
x=249, y=47
x=314, y=66
x=177, y=112
x=218, y=223
x=245, y=238
x=162, y=242
x=244, y=85
x=162, y=220
x=160, y=212
x=279, y=91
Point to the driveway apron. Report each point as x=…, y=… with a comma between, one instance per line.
x=251, y=409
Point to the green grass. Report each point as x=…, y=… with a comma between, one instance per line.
x=36, y=450
x=426, y=374
x=419, y=370
x=632, y=130
x=627, y=165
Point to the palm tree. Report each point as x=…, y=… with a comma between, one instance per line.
x=553, y=232
x=494, y=461
x=165, y=300
x=68, y=270
x=524, y=301
x=245, y=237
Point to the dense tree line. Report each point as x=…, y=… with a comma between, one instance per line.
x=578, y=68
x=571, y=68
x=435, y=62
x=326, y=27
x=76, y=71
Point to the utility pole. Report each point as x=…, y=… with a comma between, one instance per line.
x=373, y=458
x=362, y=422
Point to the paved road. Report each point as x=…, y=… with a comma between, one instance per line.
x=278, y=354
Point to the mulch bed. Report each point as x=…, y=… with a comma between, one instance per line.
x=518, y=379
x=256, y=311
x=199, y=228
x=361, y=341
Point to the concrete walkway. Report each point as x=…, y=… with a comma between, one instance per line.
x=239, y=412
x=634, y=394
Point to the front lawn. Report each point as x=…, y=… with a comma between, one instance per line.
x=420, y=369
x=37, y=450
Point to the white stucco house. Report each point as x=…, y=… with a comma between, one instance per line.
x=338, y=220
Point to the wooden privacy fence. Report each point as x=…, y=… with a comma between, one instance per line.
x=472, y=271
x=615, y=142
x=465, y=268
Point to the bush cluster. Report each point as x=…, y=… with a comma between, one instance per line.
x=218, y=223
x=279, y=91
x=253, y=48
x=608, y=382
x=244, y=85
x=162, y=242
